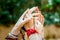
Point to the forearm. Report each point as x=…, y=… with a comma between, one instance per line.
x=19, y=23
x=13, y=35
x=17, y=27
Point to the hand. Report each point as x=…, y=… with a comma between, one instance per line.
x=30, y=23
x=39, y=28
x=20, y=23
x=39, y=24
x=39, y=21
x=38, y=14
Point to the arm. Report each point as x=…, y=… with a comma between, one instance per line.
x=39, y=21
x=29, y=26
x=21, y=22
x=15, y=31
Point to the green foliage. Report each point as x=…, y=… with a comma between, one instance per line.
x=52, y=17
x=11, y=10
x=56, y=2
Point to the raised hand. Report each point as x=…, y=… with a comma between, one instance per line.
x=20, y=23
x=30, y=24
x=39, y=21
x=38, y=14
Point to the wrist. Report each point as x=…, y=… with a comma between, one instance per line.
x=31, y=31
x=15, y=32
x=12, y=35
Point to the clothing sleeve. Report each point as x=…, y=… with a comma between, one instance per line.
x=9, y=37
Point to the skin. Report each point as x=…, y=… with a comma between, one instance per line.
x=27, y=19
x=39, y=22
x=20, y=23
x=36, y=16
x=32, y=24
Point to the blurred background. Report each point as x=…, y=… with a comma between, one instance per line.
x=11, y=10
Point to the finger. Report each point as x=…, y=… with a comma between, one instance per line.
x=36, y=14
x=30, y=15
x=27, y=19
x=24, y=13
x=32, y=9
x=27, y=15
x=42, y=19
x=37, y=10
x=36, y=23
x=39, y=23
x=36, y=18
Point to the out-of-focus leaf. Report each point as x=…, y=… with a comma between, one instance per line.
x=57, y=1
